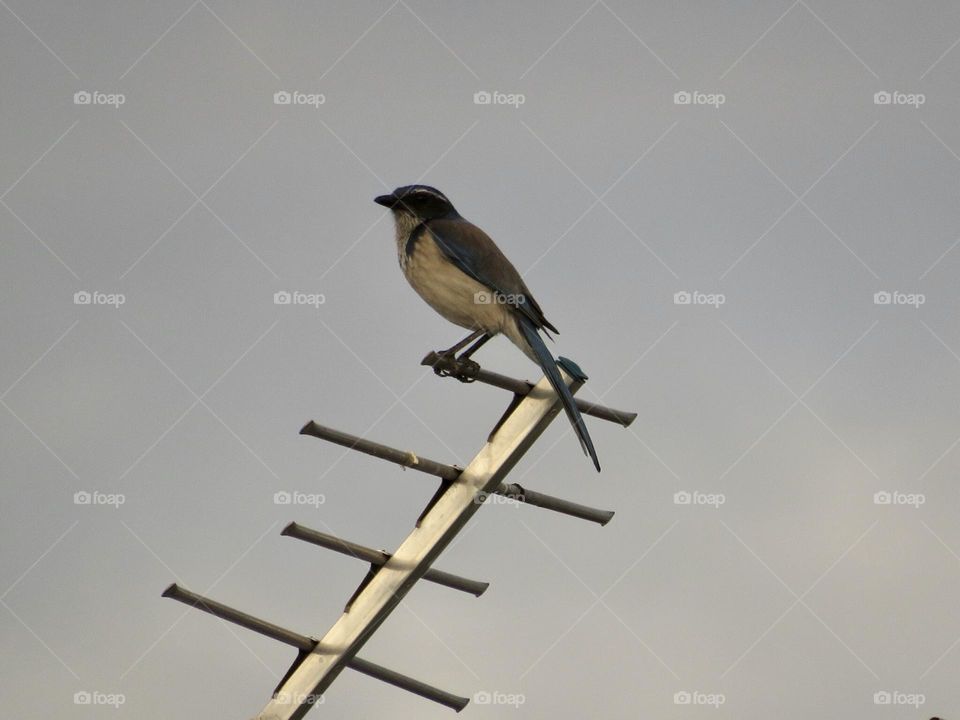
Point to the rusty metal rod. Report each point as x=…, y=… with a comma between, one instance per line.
x=459, y=369
x=384, y=452
x=225, y=612
x=308, y=644
x=548, y=502
x=379, y=557
x=407, y=683
x=449, y=472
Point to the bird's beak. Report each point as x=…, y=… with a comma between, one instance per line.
x=387, y=201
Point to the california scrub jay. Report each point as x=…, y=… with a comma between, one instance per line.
x=461, y=273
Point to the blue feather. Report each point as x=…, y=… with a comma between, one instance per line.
x=549, y=366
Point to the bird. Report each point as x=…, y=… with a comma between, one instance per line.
x=461, y=273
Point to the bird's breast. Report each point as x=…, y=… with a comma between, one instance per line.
x=448, y=290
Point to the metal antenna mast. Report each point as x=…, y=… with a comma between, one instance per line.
x=392, y=575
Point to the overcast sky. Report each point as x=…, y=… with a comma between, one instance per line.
x=742, y=216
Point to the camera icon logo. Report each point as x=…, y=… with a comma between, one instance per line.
x=482, y=298
x=482, y=97
x=682, y=698
x=82, y=298
x=282, y=97
x=282, y=497
x=82, y=97
x=682, y=98
x=282, y=297
x=882, y=497
x=882, y=298
x=682, y=498
x=481, y=697
x=882, y=98
x=82, y=497
x=882, y=697
x=82, y=698
x=682, y=298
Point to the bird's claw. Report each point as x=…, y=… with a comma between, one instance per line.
x=448, y=365
x=467, y=371
x=444, y=363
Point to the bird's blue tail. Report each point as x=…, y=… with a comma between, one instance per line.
x=549, y=365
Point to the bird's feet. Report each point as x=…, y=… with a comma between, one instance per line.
x=444, y=363
x=467, y=370
x=447, y=364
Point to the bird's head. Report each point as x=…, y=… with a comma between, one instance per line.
x=419, y=201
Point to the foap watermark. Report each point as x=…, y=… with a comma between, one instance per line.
x=896, y=97
x=895, y=297
x=95, y=697
x=483, y=97
x=495, y=297
x=299, y=498
x=84, y=297
x=496, y=697
x=95, y=497
x=699, y=298
x=84, y=97
x=896, y=697
x=695, y=697
x=295, y=97
x=296, y=297
x=685, y=497
x=496, y=499
x=686, y=97
x=289, y=698
x=895, y=497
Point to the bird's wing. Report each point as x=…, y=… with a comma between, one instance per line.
x=474, y=253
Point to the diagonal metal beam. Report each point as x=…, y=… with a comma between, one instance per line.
x=437, y=528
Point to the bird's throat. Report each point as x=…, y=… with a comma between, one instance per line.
x=404, y=224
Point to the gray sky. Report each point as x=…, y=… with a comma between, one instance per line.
x=783, y=197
